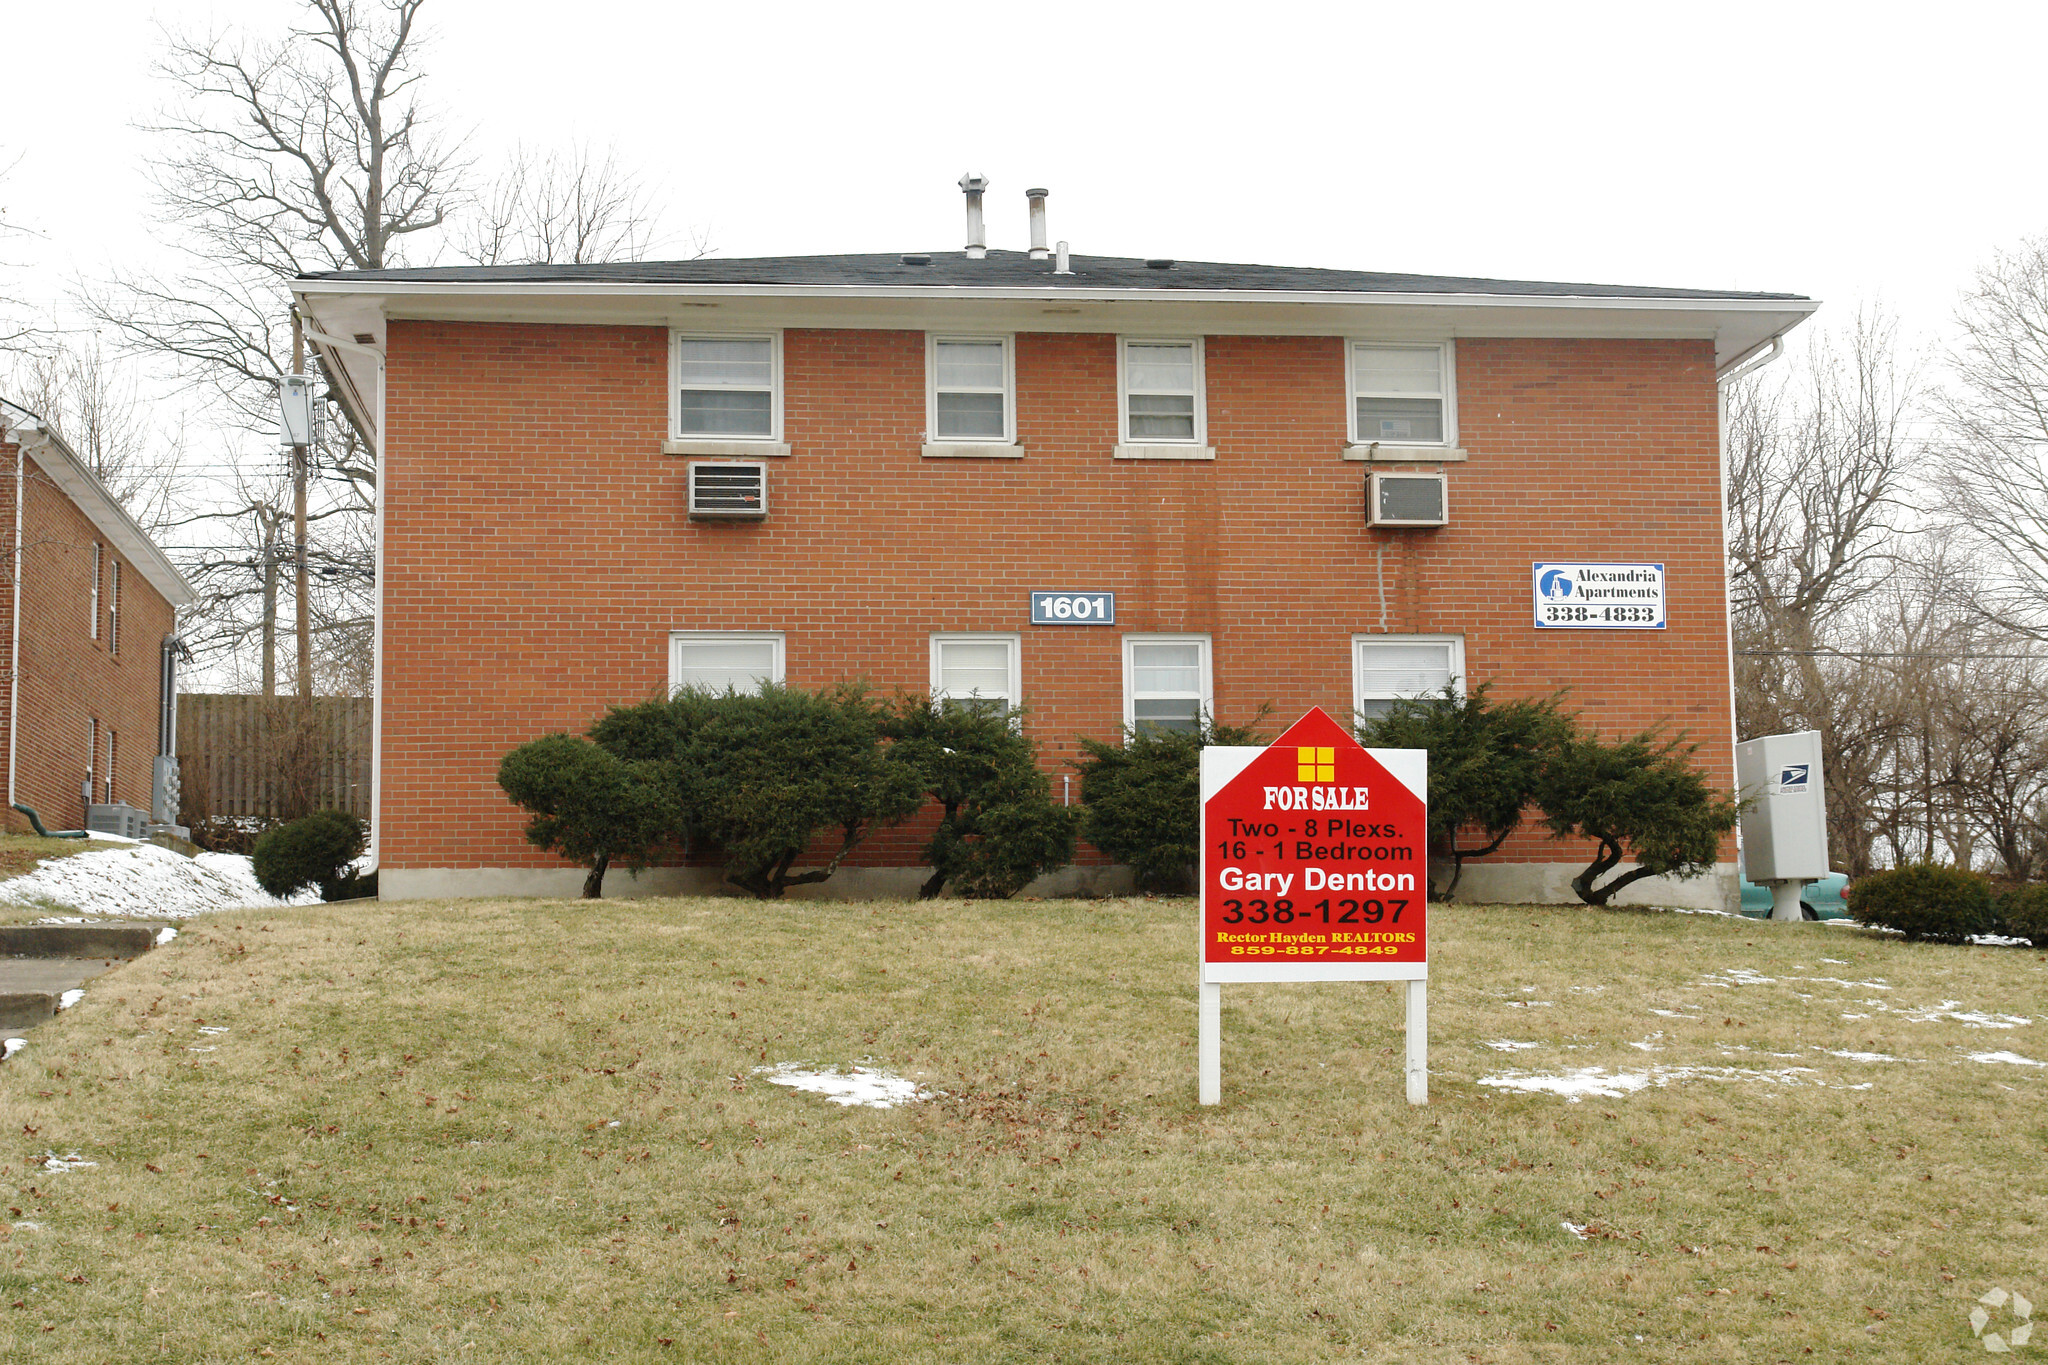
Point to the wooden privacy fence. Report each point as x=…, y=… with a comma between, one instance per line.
x=273, y=757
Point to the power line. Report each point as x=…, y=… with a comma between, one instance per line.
x=1876, y=654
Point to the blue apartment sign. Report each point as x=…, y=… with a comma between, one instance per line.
x=1571, y=596
x=1073, y=608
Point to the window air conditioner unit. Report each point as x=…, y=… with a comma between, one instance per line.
x=1405, y=499
x=728, y=488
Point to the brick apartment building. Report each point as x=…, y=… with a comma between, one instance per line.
x=89, y=696
x=601, y=481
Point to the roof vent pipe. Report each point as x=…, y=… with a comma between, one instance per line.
x=1061, y=265
x=977, y=241
x=1037, y=198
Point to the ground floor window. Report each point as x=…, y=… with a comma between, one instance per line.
x=1387, y=667
x=1166, y=682
x=720, y=661
x=977, y=670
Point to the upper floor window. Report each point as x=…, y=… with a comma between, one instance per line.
x=976, y=670
x=1385, y=668
x=1401, y=395
x=727, y=386
x=1162, y=392
x=971, y=382
x=99, y=557
x=114, y=609
x=1166, y=682
x=718, y=661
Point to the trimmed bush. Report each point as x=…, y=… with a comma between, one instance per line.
x=1485, y=757
x=588, y=804
x=1639, y=797
x=315, y=851
x=1141, y=800
x=998, y=824
x=2022, y=912
x=1924, y=902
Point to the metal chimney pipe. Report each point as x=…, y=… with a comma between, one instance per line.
x=977, y=240
x=1061, y=265
x=1037, y=198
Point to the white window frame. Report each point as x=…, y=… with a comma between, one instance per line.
x=931, y=391
x=1447, y=358
x=99, y=557
x=114, y=610
x=1123, y=392
x=1011, y=640
x=1359, y=643
x=778, y=658
x=1207, y=699
x=678, y=335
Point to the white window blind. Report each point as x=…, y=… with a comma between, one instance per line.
x=976, y=670
x=1390, y=667
x=971, y=391
x=1166, y=684
x=1160, y=379
x=718, y=662
x=725, y=386
x=1399, y=393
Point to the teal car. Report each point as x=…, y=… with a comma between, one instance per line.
x=1825, y=896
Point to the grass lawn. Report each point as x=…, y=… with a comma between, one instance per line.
x=472, y=1131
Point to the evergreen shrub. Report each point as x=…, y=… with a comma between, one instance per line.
x=314, y=851
x=1924, y=902
x=2022, y=912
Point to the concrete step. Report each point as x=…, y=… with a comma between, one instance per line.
x=112, y=939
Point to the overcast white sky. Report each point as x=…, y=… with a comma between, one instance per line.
x=1843, y=151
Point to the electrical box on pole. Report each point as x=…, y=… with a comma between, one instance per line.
x=295, y=404
x=1785, y=824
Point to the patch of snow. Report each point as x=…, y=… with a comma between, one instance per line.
x=165, y=935
x=144, y=881
x=1855, y=1016
x=1592, y=1080
x=12, y=1045
x=1508, y=1045
x=64, y=1165
x=70, y=998
x=28, y=1227
x=1585, y=990
x=213, y=1028
x=202, y=1049
x=862, y=1085
x=1650, y=1044
x=1577, y=1230
x=2008, y=1058
x=1861, y=1056
x=1967, y=1018
x=1687, y=910
x=1835, y=961
x=1877, y=985
x=1531, y=1004
x=1674, y=1014
x=1998, y=941
x=1738, y=976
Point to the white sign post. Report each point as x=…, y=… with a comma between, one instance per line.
x=1314, y=867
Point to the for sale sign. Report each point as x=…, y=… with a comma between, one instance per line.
x=1315, y=859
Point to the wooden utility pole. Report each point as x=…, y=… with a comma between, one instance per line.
x=299, y=525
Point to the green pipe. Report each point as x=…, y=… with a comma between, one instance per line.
x=37, y=821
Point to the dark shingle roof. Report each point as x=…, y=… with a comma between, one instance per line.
x=1015, y=270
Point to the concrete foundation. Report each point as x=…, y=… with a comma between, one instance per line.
x=1490, y=883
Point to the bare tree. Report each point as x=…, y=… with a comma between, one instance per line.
x=14, y=328
x=1819, y=463
x=561, y=207
x=95, y=405
x=1996, y=413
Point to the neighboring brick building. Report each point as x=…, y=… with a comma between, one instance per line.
x=90, y=609
x=942, y=436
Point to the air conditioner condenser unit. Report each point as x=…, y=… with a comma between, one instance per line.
x=1400, y=498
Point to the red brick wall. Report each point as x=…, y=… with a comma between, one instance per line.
x=537, y=553
x=67, y=676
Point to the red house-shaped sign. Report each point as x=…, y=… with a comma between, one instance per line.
x=1315, y=859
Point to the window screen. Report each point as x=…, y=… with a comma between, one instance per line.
x=970, y=385
x=1159, y=390
x=975, y=671
x=1399, y=392
x=725, y=386
x=720, y=663
x=1388, y=667
x=1168, y=684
